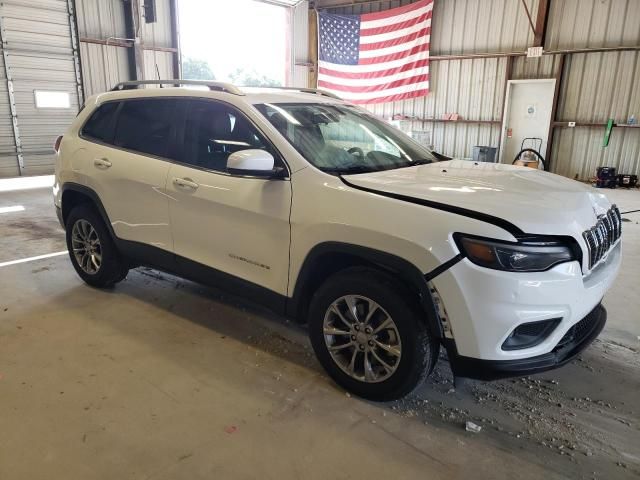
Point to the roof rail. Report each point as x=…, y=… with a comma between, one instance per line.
x=315, y=91
x=213, y=86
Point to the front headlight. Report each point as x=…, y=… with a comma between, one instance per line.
x=530, y=256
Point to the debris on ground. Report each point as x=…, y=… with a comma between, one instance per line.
x=472, y=427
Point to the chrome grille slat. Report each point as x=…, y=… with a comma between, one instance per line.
x=603, y=235
x=610, y=230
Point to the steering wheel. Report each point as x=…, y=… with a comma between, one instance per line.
x=356, y=151
x=535, y=152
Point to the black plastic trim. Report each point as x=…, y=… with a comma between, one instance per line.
x=483, y=217
x=59, y=215
x=400, y=267
x=548, y=326
x=183, y=267
x=88, y=192
x=468, y=367
x=278, y=173
x=443, y=268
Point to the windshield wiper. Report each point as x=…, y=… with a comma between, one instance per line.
x=421, y=161
x=351, y=169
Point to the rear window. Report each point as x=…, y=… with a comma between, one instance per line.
x=101, y=124
x=146, y=126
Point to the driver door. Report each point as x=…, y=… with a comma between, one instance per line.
x=235, y=226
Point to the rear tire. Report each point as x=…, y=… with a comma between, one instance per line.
x=92, y=251
x=391, y=351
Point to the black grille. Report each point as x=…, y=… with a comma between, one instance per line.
x=578, y=331
x=603, y=235
x=532, y=329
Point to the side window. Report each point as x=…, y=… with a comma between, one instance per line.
x=214, y=131
x=100, y=125
x=147, y=126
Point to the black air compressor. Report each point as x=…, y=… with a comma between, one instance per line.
x=606, y=177
x=627, y=181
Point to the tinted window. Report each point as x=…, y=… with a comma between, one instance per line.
x=101, y=124
x=214, y=131
x=146, y=126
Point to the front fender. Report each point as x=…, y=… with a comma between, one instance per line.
x=317, y=257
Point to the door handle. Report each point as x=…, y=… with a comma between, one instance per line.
x=185, y=183
x=102, y=162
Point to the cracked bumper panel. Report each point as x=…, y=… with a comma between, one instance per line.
x=484, y=306
x=572, y=343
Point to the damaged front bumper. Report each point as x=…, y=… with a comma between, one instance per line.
x=577, y=338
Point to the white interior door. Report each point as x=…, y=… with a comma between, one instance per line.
x=527, y=114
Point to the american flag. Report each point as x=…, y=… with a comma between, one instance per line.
x=376, y=57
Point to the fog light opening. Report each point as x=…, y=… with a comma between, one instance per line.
x=530, y=334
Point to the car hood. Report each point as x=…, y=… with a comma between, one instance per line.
x=536, y=202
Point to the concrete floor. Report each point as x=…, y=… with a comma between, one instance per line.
x=161, y=378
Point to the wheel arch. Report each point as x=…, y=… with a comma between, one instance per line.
x=328, y=258
x=74, y=194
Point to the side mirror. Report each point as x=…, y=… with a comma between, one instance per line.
x=252, y=162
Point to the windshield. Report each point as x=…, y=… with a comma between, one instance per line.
x=344, y=139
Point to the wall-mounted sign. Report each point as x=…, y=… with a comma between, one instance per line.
x=533, y=52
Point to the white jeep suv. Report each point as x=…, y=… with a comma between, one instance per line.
x=326, y=214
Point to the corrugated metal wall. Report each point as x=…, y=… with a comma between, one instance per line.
x=595, y=87
x=102, y=65
x=593, y=23
x=480, y=26
x=473, y=88
x=467, y=26
x=159, y=34
x=598, y=86
x=39, y=54
x=42, y=51
x=105, y=65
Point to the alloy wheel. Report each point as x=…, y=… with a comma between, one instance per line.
x=362, y=338
x=86, y=246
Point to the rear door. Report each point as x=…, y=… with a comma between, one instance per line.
x=234, y=224
x=128, y=163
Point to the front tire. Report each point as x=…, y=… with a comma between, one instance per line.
x=368, y=334
x=92, y=251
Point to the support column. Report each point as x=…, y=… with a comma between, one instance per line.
x=554, y=111
x=507, y=76
x=540, y=32
x=175, y=39
x=313, y=49
x=133, y=23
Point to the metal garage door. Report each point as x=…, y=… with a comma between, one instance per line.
x=40, y=85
